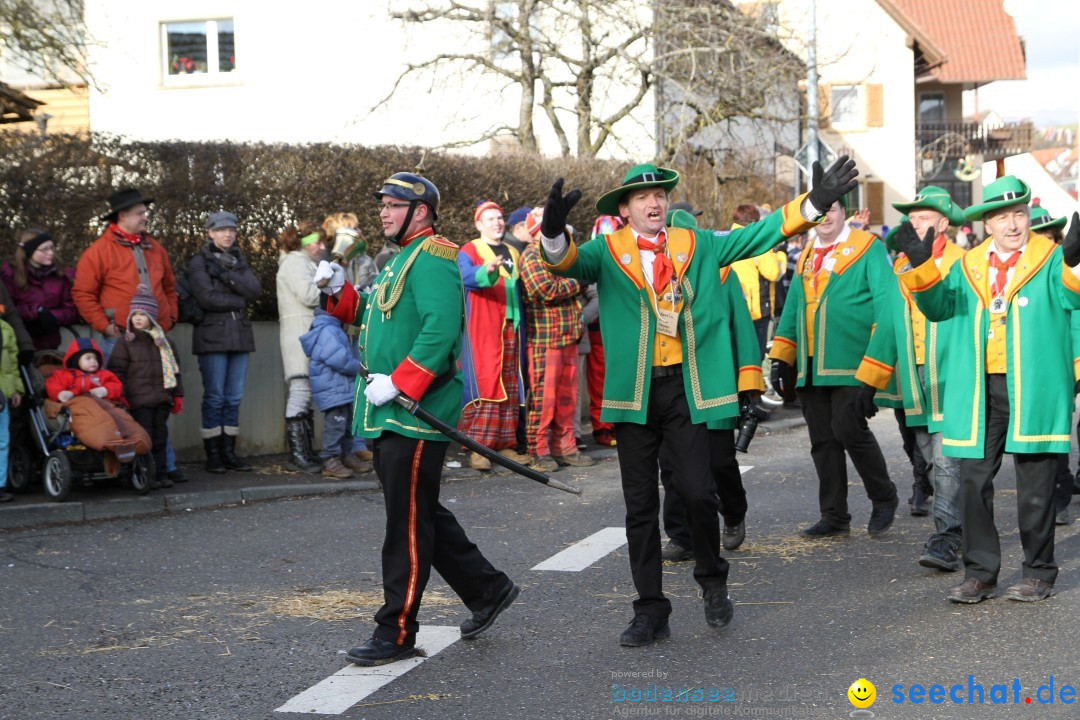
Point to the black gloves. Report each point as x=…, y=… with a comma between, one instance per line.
x=832, y=184
x=215, y=270
x=864, y=401
x=918, y=249
x=557, y=209
x=46, y=321
x=1071, y=245
x=782, y=378
x=26, y=356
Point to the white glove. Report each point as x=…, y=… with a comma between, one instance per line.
x=330, y=277
x=380, y=389
x=99, y=392
x=65, y=395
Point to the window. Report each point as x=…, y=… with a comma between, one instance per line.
x=932, y=107
x=847, y=105
x=198, y=51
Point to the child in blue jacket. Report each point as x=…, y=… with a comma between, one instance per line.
x=335, y=363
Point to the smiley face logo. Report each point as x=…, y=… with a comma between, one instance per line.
x=862, y=693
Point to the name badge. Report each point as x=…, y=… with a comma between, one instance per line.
x=997, y=305
x=667, y=323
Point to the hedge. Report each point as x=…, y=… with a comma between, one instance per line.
x=62, y=183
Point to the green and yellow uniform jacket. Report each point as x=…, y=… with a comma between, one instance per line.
x=628, y=312
x=1030, y=340
x=917, y=343
x=828, y=329
x=410, y=329
x=747, y=349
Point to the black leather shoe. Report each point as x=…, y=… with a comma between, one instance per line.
x=644, y=630
x=718, y=607
x=482, y=619
x=733, y=536
x=920, y=503
x=674, y=552
x=379, y=652
x=940, y=555
x=881, y=517
x=822, y=529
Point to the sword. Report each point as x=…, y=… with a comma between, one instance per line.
x=457, y=436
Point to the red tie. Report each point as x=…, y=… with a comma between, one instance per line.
x=1001, y=279
x=663, y=270
x=819, y=256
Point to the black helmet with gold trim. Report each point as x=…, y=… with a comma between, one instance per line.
x=411, y=188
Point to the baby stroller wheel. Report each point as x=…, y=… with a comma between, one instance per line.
x=142, y=474
x=20, y=469
x=57, y=475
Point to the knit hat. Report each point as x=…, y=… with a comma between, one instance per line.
x=144, y=302
x=533, y=221
x=81, y=346
x=481, y=207
x=518, y=216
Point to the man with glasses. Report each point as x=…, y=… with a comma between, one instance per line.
x=410, y=337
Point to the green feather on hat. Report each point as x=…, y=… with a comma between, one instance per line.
x=641, y=176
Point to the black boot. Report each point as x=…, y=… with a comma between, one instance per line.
x=228, y=454
x=212, y=447
x=296, y=433
x=309, y=438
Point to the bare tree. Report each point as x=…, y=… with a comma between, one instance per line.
x=46, y=38
x=589, y=65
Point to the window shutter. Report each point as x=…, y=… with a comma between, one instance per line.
x=875, y=200
x=824, y=106
x=875, y=110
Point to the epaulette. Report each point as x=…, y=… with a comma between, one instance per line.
x=440, y=247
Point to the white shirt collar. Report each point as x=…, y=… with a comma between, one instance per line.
x=844, y=233
x=993, y=249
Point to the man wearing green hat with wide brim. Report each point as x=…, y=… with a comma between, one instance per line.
x=660, y=295
x=1044, y=224
x=1008, y=379
x=916, y=386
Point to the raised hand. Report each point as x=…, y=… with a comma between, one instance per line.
x=832, y=184
x=557, y=209
x=1071, y=245
x=918, y=249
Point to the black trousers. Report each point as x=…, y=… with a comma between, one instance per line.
x=421, y=534
x=668, y=421
x=724, y=466
x=761, y=327
x=1063, y=484
x=919, y=469
x=836, y=428
x=1035, y=473
x=155, y=421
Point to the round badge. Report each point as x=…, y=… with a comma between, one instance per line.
x=1022, y=302
x=997, y=305
x=418, y=188
x=846, y=251
x=625, y=259
x=681, y=257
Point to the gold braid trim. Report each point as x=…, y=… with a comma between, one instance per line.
x=439, y=250
x=395, y=289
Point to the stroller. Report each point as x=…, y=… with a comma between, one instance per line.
x=47, y=443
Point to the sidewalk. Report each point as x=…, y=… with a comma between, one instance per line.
x=271, y=479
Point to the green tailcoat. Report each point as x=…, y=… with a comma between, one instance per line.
x=628, y=320
x=1038, y=347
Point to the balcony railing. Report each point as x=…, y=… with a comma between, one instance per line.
x=990, y=141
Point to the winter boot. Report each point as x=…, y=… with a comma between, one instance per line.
x=309, y=438
x=296, y=433
x=228, y=453
x=212, y=447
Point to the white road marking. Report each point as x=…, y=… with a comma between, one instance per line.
x=745, y=468
x=348, y=686
x=582, y=554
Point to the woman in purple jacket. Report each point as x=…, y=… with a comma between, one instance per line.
x=40, y=288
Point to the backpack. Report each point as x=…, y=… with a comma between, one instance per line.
x=190, y=312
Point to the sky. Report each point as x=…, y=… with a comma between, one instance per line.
x=1049, y=95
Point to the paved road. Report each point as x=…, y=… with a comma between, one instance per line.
x=233, y=612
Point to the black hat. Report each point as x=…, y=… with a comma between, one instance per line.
x=124, y=199
x=685, y=206
x=411, y=187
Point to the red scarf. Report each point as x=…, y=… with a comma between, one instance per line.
x=819, y=256
x=663, y=270
x=938, y=248
x=123, y=236
x=1001, y=278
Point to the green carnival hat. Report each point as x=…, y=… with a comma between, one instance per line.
x=1041, y=220
x=890, y=237
x=640, y=176
x=932, y=197
x=1003, y=192
x=680, y=218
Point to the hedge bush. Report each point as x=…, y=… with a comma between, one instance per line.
x=62, y=184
